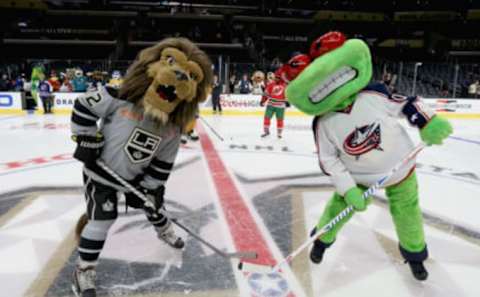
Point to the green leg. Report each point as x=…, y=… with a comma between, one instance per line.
x=335, y=206
x=332, y=209
x=280, y=113
x=269, y=111
x=407, y=217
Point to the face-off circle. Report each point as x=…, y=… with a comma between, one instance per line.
x=268, y=285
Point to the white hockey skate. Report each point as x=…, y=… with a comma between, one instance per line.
x=83, y=281
x=168, y=235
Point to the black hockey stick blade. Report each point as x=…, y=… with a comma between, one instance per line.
x=239, y=255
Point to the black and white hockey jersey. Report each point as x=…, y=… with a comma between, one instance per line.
x=137, y=148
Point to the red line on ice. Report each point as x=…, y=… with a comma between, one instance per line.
x=244, y=230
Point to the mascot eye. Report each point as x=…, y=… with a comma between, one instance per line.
x=193, y=76
x=170, y=60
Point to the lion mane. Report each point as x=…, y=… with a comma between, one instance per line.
x=136, y=80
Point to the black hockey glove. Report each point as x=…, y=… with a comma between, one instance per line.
x=287, y=104
x=155, y=196
x=88, y=148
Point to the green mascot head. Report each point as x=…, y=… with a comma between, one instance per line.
x=38, y=73
x=340, y=70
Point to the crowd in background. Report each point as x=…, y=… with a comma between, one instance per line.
x=72, y=80
x=240, y=81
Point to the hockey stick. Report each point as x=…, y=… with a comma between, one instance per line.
x=211, y=128
x=370, y=191
x=149, y=204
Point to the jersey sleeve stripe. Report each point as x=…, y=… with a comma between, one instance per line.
x=162, y=164
x=156, y=175
x=79, y=107
x=79, y=120
x=81, y=114
x=159, y=169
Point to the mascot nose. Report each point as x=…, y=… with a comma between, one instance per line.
x=180, y=75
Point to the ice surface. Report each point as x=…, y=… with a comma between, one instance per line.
x=283, y=187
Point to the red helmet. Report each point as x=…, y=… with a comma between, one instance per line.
x=296, y=65
x=327, y=42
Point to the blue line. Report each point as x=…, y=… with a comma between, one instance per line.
x=38, y=167
x=465, y=140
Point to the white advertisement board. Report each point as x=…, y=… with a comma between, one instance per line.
x=10, y=101
x=455, y=106
x=64, y=101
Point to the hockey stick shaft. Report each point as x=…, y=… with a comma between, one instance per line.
x=149, y=203
x=370, y=191
x=211, y=129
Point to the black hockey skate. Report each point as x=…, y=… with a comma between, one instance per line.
x=193, y=136
x=265, y=134
x=83, y=282
x=316, y=254
x=418, y=270
x=318, y=249
x=183, y=139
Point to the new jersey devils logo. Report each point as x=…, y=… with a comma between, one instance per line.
x=363, y=140
x=278, y=90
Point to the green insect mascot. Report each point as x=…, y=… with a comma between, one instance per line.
x=359, y=139
x=37, y=76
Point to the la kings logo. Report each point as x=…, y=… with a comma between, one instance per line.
x=141, y=146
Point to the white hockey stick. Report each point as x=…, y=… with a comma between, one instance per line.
x=149, y=204
x=245, y=266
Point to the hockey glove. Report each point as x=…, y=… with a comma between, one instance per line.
x=354, y=198
x=436, y=130
x=263, y=101
x=88, y=148
x=155, y=196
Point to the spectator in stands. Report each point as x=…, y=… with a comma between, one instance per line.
x=473, y=89
x=444, y=90
x=216, y=91
x=244, y=85
x=5, y=84
x=231, y=84
x=276, y=63
x=387, y=79
x=18, y=86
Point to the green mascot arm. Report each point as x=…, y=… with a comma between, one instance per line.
x=436, y=130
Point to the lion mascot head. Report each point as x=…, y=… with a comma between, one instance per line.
x=169, y=80
x=258, y=79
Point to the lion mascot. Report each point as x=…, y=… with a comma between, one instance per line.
x=258, y=80
x=135, y=131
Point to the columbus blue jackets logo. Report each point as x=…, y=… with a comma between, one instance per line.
x=363, y=140
x=141, y=146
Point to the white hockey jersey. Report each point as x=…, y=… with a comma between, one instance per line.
x=362, y=143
